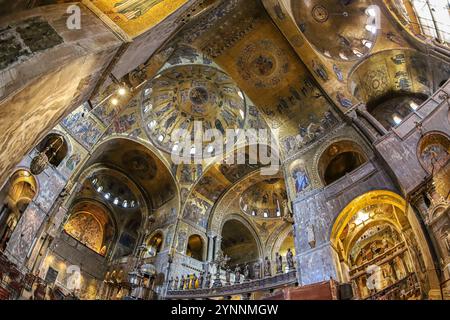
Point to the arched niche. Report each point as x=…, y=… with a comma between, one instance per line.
x=154, y=243
x=433, y=151
x=55, y=147
x=17, y=194
x=195, y=247
x=284, y=241
x=91, y=224
x=239, y=243
x=376, y=247
x=395, y=83
x=51, y=151
x=339, y=159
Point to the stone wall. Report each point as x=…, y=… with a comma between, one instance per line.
x=58, y=67
x=318, y=209
x=399, y=148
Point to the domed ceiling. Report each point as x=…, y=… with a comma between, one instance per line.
x=394, y=71
x=179, y=96
x=338, y=29
x=114, y=191
x=264, y=199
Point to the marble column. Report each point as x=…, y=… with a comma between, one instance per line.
x=210, y=256
x=362, y=124
x=421, y=206
x=371, y=119
x=218, y=244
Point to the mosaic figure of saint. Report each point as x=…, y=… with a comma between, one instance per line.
x=301, y=179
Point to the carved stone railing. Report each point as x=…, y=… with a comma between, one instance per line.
x=350, y=179
x=274, y=282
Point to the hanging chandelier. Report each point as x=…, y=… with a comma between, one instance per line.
x=42, y=161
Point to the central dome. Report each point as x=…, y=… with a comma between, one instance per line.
x=182, y=95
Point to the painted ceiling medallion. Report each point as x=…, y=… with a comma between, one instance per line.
x=183, y=95
x=263, y=64
x=341, y=30
x=320, y=13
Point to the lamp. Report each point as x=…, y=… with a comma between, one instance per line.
x=41, y=161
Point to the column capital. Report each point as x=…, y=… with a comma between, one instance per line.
x=211, y=234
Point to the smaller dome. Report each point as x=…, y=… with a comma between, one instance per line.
x=265, y=199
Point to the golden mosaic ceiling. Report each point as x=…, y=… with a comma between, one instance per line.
x=180, y=96
x=137, y=16
x=336, y=28
x=141, y=165
x=396, y=71
x=250, y=48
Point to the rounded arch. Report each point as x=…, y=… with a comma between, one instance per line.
x=195, y=247
x=17, y=194
x=433, y=151
x=236, y=233
x=223, y=206
x=284, y=239
x=100, y=169
x=154, y=243
x=145, y=166
x=340, y=158
x=55, y=147
x=358, y=203
x=92, y=223
x=316, y=180
x=22, y=189
x=375, y=237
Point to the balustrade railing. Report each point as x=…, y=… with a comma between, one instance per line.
x=268, y=283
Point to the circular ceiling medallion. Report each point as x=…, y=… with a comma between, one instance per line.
x=340, y=30
x=320, y=13
x=263, y=64
x=199, y=95
x=190, y=97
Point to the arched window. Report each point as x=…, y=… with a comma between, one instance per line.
x=339, y=159
x=154, y=244
x=239, y=243
x=195, y=247
x=20, y=191
x=52, y=150
x=55, y=147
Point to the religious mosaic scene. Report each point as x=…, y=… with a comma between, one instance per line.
x=225, y=150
